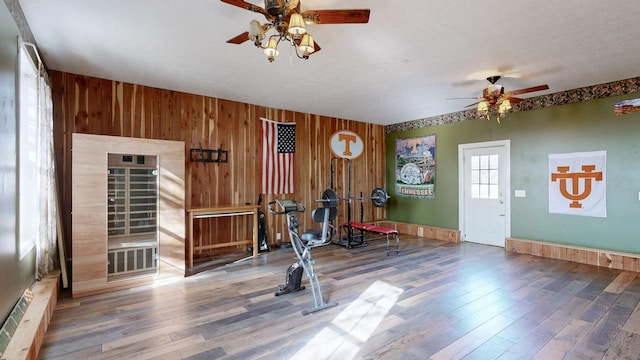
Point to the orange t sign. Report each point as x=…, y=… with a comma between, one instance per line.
x=346, y=144
x=348, y=139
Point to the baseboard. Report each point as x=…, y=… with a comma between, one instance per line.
x=430, y=232
x=583, y=255
x=29, y=335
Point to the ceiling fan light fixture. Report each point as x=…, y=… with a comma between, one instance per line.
x=271, y=51
x=505, y=106
x=286, y=24
x=307, y=45
x=256, y=34
x=495, y=101
x=483, y=108
x=296, y=25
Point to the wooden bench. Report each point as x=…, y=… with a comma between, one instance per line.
x=29, y=335
x=388, y=233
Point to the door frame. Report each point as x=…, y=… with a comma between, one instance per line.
x=507, y=186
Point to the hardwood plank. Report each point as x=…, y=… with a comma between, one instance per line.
x=560, y=346
x=562, y=316
x=621, y=282
x=165, y=351
x=633, y=322
x=397, y=340
x=626, y=346
x=491, y=349
x=528, y=345
x=473, y=339
x=600, y=338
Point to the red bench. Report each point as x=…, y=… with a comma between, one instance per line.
x=388, y=233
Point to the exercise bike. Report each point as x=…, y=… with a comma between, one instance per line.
x=302, y=244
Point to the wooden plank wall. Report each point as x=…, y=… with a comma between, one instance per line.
x=431, y=232
x=598, y=257
x=90, y=105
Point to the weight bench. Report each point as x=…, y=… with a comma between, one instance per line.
x=388, y=233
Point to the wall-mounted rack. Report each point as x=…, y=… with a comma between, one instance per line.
x=209, y=155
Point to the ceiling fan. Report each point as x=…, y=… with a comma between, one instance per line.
x=285, y=17
x=494, y=94
x=495, y=99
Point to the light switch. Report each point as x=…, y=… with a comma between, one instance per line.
x=523, y=193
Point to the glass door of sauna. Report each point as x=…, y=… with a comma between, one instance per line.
x=132, y=202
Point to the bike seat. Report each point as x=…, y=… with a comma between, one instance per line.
x=315, y=237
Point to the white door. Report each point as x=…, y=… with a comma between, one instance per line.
x=484, y=192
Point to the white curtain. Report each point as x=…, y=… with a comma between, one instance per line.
x=46, y=246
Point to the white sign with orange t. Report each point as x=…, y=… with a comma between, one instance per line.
x=346, y=144
x=577, y=183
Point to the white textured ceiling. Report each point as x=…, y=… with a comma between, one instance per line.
x=401, y=66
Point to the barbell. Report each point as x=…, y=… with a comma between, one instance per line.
x=378, y=198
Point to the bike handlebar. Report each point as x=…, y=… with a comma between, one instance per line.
x=287, y=205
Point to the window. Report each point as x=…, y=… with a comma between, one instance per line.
x=484, y=176
x=28, y=152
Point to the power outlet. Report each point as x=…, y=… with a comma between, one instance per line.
x=278, y=236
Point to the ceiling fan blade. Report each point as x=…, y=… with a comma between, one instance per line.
x=514, y=100
x=316, y=47
x=474, y=104
x=349, y=16
x=528, y=90
x=247, y=6
x=239, y=39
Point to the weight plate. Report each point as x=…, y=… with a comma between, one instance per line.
x=379, y=197
x=329, y=198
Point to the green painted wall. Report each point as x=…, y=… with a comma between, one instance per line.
x=585, y=126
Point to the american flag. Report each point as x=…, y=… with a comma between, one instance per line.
x=278, y=155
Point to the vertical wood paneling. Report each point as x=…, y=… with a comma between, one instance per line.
x=147, y=112
x=106, y=106
x=116, y=120
x=69, y=98
x=157, y=95
x=177, y=118
x=80, y=111
x=98, y=106
x=138, y=122
x=94, y=106
x=127, y=100
x=166, y=114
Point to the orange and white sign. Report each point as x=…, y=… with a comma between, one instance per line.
x=577, y=183
x=346, y=144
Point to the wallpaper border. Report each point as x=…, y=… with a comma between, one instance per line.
x=614, y=88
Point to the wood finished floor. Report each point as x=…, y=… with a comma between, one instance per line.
x=434, y=300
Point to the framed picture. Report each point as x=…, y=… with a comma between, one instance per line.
x=416, y=167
